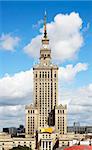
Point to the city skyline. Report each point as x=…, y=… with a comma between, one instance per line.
x=71, y=50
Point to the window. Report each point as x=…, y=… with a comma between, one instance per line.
x=41, y=55
x=46, y=144
x=43, y=144
x=50, y=145
x=55, y=75
x=36, y=75
x=43, y=75
x=40, y=75
x=43, y=135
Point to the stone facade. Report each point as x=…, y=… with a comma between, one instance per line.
x=45, y=110
x=7, y=142
x=47, y=139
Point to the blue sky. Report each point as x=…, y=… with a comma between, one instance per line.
x=21, y=22
x=20, y=19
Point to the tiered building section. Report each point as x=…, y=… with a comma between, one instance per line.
x=45, y=112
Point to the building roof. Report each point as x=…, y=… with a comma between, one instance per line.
x=42, y=66
x=47, y=130
x=79, y=147
x=61, y=106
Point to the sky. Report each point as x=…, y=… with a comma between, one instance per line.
x=69, y=27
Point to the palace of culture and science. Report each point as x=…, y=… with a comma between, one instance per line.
x=46, y=121
x=45, y=115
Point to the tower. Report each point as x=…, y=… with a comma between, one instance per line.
x=45, y=81
x=45, y=111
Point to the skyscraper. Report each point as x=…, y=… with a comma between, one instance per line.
x=45, y=110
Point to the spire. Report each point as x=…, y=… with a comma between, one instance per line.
x=45, y=40
x=45, y=29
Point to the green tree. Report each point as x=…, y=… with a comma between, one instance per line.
x=21, y=148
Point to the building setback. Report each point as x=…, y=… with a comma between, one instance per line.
x=45, y=113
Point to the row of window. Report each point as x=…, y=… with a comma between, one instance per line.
x=44, y=87
x=46, y=136
x=22, y=143
x=44, y=83
x=46, y=144
x=60, y=111
x=45, y=55
x=45, y=80
x=32, y=111
x=45, y=96
x=44, y=75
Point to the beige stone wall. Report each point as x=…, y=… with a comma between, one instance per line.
x=45, y=93
x=8, y=143
x=31, y=120
x=61, y=119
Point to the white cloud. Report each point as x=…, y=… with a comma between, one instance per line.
x=65, y=37
x=79, y=108
x=69, y=72
x=20, y=85
x=37, y=25
x=14, y=117
x=8, y=42
x=32, y=48
x=12, y=110
x=85, y=96
x=17, y=91
x=79, y=103
x=16, y=87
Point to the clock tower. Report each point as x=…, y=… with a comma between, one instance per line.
x=45, y=51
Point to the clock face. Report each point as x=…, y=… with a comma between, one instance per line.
x=45, y=45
